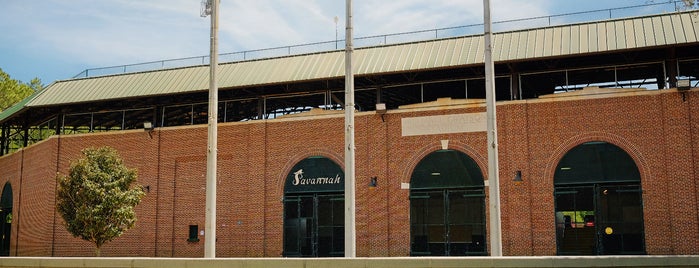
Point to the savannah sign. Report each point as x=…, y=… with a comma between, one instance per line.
x=315, y=174
x=300, y=180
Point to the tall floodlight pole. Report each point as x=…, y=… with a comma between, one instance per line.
x=212, y=148
x=350, y=229
x=493, y=180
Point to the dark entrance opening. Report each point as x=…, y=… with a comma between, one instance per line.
x=5, y=219
x=447, y=206
x=598, y=199
x=314, y=222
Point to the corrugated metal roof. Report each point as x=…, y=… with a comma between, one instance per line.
x=595, y=37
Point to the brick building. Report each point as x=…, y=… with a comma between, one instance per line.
x=598, y=140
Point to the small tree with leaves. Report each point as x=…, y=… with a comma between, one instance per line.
x=97, y=199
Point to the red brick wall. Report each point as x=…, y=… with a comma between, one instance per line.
x=659, y=130
x=34, y=212
x=693, y=103
x=513, y=132
x=680, y=175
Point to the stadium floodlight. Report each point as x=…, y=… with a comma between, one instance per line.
x=206, y=7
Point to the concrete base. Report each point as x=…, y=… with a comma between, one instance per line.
x=403, y=262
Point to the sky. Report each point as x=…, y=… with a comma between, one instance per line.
x=58, y=39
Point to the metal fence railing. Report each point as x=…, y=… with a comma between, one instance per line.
x=396, y=38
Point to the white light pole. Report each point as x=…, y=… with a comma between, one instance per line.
x=350, y=229
x=493, y=179
x=212, y=146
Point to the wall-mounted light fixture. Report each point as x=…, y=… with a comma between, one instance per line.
x=146, y=188
x=381, y=109
x=373, y=182
x=518, y=177
x=149, y=127
x=683, y=84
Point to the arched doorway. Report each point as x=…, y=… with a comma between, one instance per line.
x=314, y=222
x=447, y=206
x=5, y=219
x=598, y=199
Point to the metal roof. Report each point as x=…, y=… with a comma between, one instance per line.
x=566, y=40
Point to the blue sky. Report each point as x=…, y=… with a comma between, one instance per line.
x=57, y=39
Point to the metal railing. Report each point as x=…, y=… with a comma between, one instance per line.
x=395, y=38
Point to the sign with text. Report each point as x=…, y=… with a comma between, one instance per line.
x=315, y=174
x=443, y=124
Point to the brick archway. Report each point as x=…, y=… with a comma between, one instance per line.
x=592, y=175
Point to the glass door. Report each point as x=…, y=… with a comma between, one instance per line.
x=575, y=228
x=598, y=200
x=298, y=226
x=314, y=225
x=427, y=224
x=620, y=219
x=599, y=219
x=331, y=226
x=466, y=222
x=447, y=223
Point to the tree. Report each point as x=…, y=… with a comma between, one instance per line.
x=13, y=91
x=96, y=199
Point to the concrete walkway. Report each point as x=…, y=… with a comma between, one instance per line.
x=401, y=262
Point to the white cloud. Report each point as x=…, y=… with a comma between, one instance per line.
x=116, y=32
x=412, y=15
x=124, y=31
x=119, y=31
x=267, y=23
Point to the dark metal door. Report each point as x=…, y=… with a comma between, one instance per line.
x=447, y=223
x=314, y=225
x=330, y=236
x=298, y=226
x=5, y=229
x=599, y=219
x=427, y=229
x=620, y=220
x=466, y=222
x=575, y=205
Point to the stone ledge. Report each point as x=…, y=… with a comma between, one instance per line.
x=399, y=262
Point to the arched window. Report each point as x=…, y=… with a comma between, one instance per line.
x=447, y=206
x=598, y=202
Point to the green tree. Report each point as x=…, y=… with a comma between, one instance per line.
x=96, y=199
x=13, y=91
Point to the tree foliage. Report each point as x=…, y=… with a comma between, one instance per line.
x=96, y=199
x=13, y=91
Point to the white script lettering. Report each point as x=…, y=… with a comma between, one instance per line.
x=299, y=180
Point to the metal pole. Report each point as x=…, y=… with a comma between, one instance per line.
x=350, y=229
x=493, y=180
x=212, y=149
